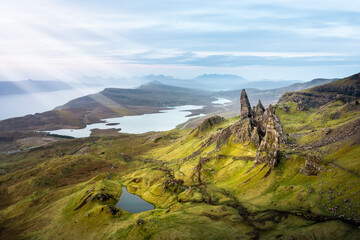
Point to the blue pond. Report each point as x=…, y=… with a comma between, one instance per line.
x=132, y=203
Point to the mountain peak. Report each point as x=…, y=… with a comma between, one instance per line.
x=155, y=82
x=219, y=76
x=159, y=78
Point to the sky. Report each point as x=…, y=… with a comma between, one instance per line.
x=258, y=39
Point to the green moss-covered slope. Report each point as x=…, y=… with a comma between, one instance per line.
x=201, y=189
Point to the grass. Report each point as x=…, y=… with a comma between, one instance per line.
x=198, y=192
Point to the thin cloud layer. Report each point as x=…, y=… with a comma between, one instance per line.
x=68, y=39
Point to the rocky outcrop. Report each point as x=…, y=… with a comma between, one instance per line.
x=312, y=166
x=259, y=109
x=245, y=107
x=241, y=132
x=208, y=123
x=262, y=127
x=255, y=137
x=268, y=151
x=259, y=120
x=258, y=125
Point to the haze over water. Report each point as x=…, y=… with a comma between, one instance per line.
x=18, y=105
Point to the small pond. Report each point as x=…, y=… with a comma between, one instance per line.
x=133, y=203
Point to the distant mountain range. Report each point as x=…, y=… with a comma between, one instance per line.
x=270, y=96
x=269, y=84
x=209, y=82
x=216, y=82
x=30, y=86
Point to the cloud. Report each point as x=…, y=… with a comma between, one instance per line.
x=336, y=31
x=67, y=39
x=237, y=59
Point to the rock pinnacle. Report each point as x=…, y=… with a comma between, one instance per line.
x=245, y=109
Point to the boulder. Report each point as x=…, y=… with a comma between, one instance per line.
x=312, y=166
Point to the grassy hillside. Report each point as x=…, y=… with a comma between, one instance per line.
x=68, y=190
x=345, y=90
x=202, y=182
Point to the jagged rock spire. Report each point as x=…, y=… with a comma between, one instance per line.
x=257, y=125
x=268, y=151
x=245, y=109
x=259, y=109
